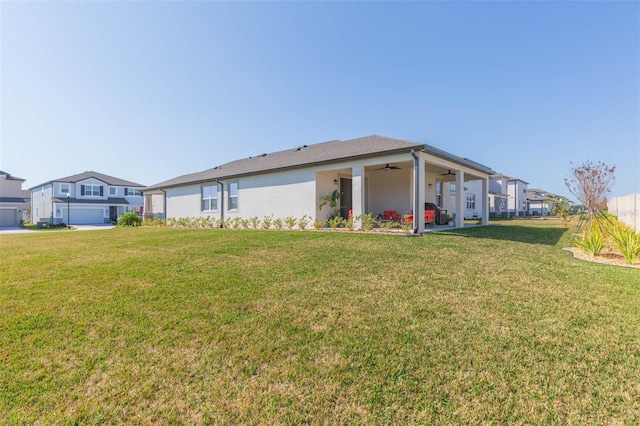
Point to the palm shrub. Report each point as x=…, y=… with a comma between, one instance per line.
x=626, y=241
x=318, y=224
x=336, y=221
x=278, y=224
x=290, y=222
x=368, y=221
x=303, y=222
x=407, y=227
x=593, y=240
x=255, y=222
x=267, y=221
x=129, y=219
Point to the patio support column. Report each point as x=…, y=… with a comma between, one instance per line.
x=419, y=189
x=485, y=203
x=461, y=199
x=357, y=193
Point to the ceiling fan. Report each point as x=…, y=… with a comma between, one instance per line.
x=449, y=173
x=388, y=167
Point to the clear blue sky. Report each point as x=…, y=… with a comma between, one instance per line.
x=147, y=91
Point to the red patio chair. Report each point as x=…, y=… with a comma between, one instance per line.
x=391, y=215
x=430, y=217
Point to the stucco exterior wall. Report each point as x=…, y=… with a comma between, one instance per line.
x=386, y=196
x=627, y=208
x=517, y=202
x=185, y=201
x=291, y=193
x=473, y=187
x=10, y=188
x=41, y=204
x=298, y=192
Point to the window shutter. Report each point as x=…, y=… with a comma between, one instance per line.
x=81, y=189
x=102, y=191
x=126, y=192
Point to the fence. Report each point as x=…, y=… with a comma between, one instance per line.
x=627, y=208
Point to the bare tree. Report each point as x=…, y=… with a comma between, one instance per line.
x=591, y=183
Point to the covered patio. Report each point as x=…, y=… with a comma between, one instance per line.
x=409, y=184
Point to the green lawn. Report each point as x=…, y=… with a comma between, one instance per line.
x=491, y=325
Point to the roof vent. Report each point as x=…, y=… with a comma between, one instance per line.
x=300, y=147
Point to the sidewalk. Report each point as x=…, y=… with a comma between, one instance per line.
x=18, y=230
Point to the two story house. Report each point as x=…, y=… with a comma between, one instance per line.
x=507, y=196
x=85, y=198
x=13, y=200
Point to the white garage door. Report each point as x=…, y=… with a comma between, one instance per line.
x=85, y=216
x=8, y=217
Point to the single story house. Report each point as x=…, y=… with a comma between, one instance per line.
x=13, y=200
x=540, y=202
x=85, y=198
x=373, y=174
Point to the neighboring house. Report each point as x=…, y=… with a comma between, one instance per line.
x=372, y=173
x=473, y=206
x=85, y=198
x=540, y=202
x=13, y=200
x=507, y=196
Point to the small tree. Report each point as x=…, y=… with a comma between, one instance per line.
x=591, y=183
x=332, y=199
x=563, y=210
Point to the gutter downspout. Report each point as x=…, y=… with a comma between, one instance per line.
x=164, y=203
x=53, y=208
x=416, y=196
x=221, y=203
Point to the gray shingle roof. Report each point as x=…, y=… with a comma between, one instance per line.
x=9, y=177
x=109, y=180
x=503, y=176
x=307, y=155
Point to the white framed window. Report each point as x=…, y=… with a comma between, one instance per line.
x=452, y=188
x=91, y=190
x=113, y=191
x=471, y=201
x=233, y=196
x=129, y=192
x=210, y=197
x=439, y=194
x=64, y=188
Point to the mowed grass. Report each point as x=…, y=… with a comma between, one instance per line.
x=492, y=325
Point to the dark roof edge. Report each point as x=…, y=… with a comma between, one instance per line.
x=461, y=160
